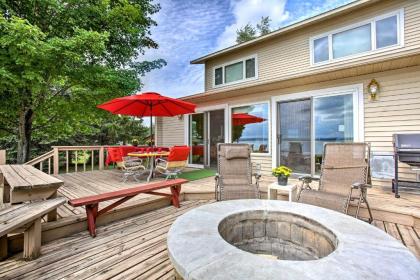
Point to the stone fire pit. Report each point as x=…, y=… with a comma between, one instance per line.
x=268, y=239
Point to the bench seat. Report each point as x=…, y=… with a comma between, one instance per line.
x=91, y=203
x=26, y=217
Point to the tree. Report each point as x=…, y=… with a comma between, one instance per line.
x=245, y=33
x=264, y=26
x=249, y=32
x=58, y=59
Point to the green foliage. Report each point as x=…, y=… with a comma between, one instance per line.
x=237, y=132
x=249, y=32
x=82, y=157
x=282, y=171
x=264, y=26
x=245, y=33
x=59, y=59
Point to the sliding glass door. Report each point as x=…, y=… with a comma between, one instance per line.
x=333, y=122
x=216, y=134
x=197, y=135
x=305, y=125
x=295, y=135
x=206, y=130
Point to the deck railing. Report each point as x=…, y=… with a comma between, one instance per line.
x=2, y=157
x=69, y=158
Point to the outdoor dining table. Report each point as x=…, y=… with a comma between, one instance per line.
x=151, y=156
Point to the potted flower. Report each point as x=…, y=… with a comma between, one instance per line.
x=282, y=173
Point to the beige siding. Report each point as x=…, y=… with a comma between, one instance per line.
x=288, y=56
x=170, y=131
x=396, y=110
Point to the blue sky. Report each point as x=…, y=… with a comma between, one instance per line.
x=188, y=29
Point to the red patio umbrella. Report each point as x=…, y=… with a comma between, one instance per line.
x=148, y=104
x=244, y=118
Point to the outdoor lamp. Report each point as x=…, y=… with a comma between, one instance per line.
x=373, y=89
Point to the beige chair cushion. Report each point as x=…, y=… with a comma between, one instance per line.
x=232, y=152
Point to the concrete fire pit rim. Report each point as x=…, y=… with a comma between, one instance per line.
x=196, y=232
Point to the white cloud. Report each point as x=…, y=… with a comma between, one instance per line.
x=251, y=11
x=186, y=30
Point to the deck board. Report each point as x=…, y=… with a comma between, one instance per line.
x=129, y=247
x=81, y=184
x=133, y=248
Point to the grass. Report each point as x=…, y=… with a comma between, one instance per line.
x=197, y=174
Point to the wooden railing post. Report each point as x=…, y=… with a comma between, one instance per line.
x=56, y=161
x=2, y=239
x=2, y=157
x=101, y=158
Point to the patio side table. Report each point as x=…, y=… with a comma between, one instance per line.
x=273, y=188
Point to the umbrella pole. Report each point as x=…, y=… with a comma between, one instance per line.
x=151, y=132
x=151, y=125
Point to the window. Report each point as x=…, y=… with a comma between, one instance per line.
x=363, y=38
x=250, y=126
x=387, y=32
x=234, y=72
x=218, y=76
x=321, y=50
x=356, y=40
x=250, y=68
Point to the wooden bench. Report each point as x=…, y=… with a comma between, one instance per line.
x=26, y=218
x=26, y=183
x=91, y=203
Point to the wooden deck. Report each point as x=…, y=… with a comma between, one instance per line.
x=127, y=249
x=134, y=248
x=95, y=182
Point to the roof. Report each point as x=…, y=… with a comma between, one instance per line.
x=291, y=28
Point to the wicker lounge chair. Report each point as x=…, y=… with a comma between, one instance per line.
x=235, y=172
x=344, y=178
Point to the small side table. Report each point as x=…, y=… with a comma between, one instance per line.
x=274, y=187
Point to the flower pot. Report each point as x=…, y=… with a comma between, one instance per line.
x=282, y=180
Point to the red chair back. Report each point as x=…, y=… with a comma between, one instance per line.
x=115, y=154
x=179, y=153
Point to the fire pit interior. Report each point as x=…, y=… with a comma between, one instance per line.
x=282, y=235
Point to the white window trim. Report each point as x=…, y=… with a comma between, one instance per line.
x=243, y=72
x=358, y=111
x=268, y=119
x=400, y=38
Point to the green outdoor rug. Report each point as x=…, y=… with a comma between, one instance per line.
x=197, y=174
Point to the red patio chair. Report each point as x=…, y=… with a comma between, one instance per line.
x=176, y=161
x=129, y=166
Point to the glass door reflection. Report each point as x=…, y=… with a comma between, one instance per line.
x=197, y=129
x=295, y=135
x=333, y=122
x=216, y=134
